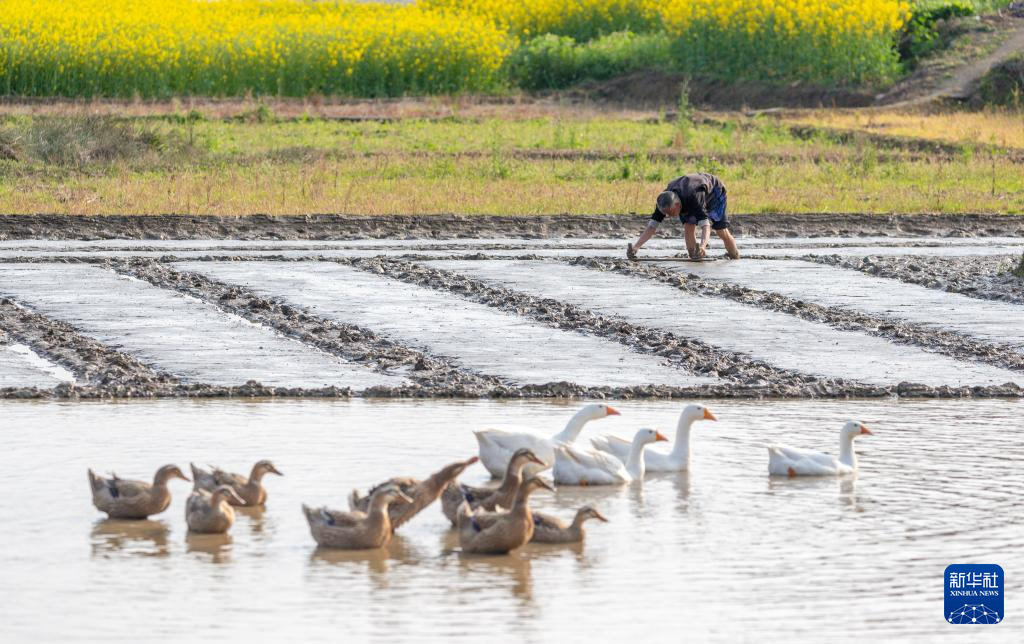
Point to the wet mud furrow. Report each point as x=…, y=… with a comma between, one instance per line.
x=986, y=278
x=746, y=376
x=439, y=379
x=103, y=371
x=897, y=331
x=458, y=226
x=431, y=376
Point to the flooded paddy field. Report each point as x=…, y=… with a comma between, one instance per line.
x=723, y=553
x=509, y=317
x=350, y=360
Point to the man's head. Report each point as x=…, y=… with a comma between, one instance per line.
x=668, y=204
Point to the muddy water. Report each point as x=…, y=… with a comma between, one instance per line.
x=777, y=338
x=666, y=246
x=721, y=554
x=664, y=241
x=472, y=335
x=833, y=286
x=180, y=335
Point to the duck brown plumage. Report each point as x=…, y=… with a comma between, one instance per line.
x=124, y=499
x=489, y=499
x=482, y=532
x=249, y=490
x=357, y=530
x=422, y=493
x=211, y=512
x=551, y=529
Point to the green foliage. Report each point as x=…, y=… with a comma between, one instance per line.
x=553, y=62
x=1003, y=85
x=921, y=34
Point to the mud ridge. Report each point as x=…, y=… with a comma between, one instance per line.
x=950, y=343
x=984, y=278
x=433, y=376
x=740, y=371
x=92, y=362
x=345, y=227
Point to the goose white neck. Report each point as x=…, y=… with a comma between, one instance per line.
x=574, y=426
x=635, y=463
x=847, y=455
x=681, y=450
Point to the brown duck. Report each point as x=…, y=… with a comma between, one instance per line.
x=489, y=498
x=249, y=490
x=551, y=529
x=357, y=530
x=482, y=532
x=422, y=493
x=211, y=512
x=123, y=499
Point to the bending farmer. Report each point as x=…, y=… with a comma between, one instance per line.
x=699, y=202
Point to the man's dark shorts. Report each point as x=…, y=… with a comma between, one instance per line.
x=716, y=214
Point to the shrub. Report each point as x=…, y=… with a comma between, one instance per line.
x=921, y=35
x=551, y=62
x=1003, y=85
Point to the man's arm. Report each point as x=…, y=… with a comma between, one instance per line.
x=652, y=227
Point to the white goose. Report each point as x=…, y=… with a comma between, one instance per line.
x=497, y=445
x=789, y=461
x=593, y=467
x=675, y=461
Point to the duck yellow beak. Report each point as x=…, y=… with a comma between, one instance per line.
x=708, y=415
x=613, y=411
x=658, y=436
x=865, y=430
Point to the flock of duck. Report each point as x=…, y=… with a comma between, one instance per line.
x=489, y=519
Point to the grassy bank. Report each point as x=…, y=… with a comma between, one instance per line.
x=598, y=164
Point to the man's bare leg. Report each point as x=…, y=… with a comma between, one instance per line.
x=730, y=243
x=693, y=249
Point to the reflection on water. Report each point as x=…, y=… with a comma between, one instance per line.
x=721, y=553
x=117, y=537
x=216, y=546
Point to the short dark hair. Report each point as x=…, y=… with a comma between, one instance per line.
x=666, y=200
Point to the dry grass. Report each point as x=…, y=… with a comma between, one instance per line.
x=998, y=128
x=497, y=185
x=482, y=166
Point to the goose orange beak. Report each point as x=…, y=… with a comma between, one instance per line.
x=613, y=411
x=658, y=436
x=708, y=415
x=865, y=430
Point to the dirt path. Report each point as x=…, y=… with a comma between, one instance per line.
x=961, y=84
x=966, y=78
